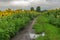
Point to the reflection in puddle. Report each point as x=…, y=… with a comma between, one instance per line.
x=34, y=36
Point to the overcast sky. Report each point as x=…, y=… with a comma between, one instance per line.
x=26, y=4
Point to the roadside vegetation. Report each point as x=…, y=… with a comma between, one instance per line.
x=49, y=23
x=13, y=21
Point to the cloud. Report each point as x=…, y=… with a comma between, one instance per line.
x=25, y=4
x=19, y=3
x=5, y=0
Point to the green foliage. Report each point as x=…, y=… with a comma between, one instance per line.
x=10, y=25
x=50, y=24
x=32, y=8
x=38, y=9
x=38, y=28
x=42, y=38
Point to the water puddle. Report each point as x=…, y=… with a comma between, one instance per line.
x=34, y=36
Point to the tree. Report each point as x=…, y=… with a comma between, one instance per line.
x=32, y=8
x=38, y=9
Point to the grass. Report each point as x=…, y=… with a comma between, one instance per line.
x=51, y=31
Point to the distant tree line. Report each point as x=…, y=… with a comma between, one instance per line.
x=38, y=9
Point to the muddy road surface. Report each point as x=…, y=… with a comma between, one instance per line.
x=24, y=34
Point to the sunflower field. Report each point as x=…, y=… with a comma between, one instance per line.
x=12, y=21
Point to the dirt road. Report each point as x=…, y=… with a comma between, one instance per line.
x=24, y=34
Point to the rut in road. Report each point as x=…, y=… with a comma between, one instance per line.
x=24, y=35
